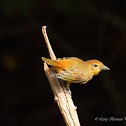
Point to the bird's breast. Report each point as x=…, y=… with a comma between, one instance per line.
x=86, y=76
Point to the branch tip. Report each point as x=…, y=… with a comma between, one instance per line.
x=44, y=26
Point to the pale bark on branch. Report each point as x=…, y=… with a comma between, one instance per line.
x=63, y=99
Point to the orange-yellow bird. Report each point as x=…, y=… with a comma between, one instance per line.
x=75, y=70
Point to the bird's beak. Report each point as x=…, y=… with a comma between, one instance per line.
x=105, y=68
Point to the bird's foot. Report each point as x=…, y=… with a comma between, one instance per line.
x=68, y=90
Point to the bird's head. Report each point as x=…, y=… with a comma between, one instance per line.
x=96, y=66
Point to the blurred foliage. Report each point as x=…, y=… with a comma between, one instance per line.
x=67, y=6
x=24, y=6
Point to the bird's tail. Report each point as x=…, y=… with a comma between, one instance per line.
x=46, y=59
x=53, y=63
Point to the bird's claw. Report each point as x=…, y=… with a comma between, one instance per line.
x=68, y=91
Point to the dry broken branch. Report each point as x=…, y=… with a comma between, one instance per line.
x=63, y=99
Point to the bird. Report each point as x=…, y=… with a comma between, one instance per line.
x=75, y=70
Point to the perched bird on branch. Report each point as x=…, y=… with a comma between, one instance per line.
x=75, y=70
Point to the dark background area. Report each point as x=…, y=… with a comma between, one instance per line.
x=86, y=29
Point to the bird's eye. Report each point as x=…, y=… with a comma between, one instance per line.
x=95, y=65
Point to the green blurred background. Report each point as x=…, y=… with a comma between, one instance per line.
x=86, y=29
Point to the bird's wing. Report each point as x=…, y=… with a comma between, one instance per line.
x=70, y=76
